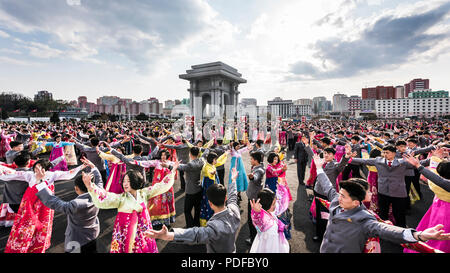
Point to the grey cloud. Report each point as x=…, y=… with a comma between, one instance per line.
x=140, y=30
x=388, y=42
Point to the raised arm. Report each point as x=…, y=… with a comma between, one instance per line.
x=162, y=187
x=323, y=185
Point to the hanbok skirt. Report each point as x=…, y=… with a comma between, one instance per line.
x=436, y=214
x=7, y=215
x=270, y=241
x=114, y=182
x=272, y=183
x=241, y=181
x=57, y=152
x=32, y=229
x=129, y=233
x=206, y=211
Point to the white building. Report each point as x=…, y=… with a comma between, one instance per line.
x=422, y=108
x=340, y=103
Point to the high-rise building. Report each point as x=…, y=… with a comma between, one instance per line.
x=82, y=101
x=340, y=103
x=169, y=104
x=379, y=93
x=416, y=84
x=354, y=104
x=43, y=95
x=399, y=92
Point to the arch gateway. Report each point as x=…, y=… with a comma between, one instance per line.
x=213, y=89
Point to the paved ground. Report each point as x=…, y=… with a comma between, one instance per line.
x=302, y=230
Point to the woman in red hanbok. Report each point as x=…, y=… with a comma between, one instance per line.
x=161, y=207
x=32, y=229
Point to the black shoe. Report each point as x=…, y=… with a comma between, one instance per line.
x=249, y=241
x=317, y=239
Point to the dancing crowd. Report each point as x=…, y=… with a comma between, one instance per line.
x=363, y=178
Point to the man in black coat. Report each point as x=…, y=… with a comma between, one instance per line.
x=301, y=158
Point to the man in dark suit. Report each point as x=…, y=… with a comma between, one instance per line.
x=301, y=158
x=83, y=226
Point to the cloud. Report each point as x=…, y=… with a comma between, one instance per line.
x=389, y=42
x=4, y=34
x=140, y=31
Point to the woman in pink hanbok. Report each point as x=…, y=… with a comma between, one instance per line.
x=57, y=151
x=133, y=219
x=4, y=142
x=271, y=230
x=438, y=213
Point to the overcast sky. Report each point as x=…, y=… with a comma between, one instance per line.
x=288, y=48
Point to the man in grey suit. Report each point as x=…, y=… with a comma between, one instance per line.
x=350, y=224
x=219, y=235
x=83, y=225
x=193, y=196
x=255, y=185
x=391, y=183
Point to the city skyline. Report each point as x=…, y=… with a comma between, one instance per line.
x=294, y=49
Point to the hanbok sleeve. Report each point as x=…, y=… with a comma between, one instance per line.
x=108, y=157
x=4, y=170
x=146, y=163
x=64, y=175
x=262, y=220
x=160, y=188
x=105, y=200
x=221, y=160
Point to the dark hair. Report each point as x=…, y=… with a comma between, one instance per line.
x=259, y=142
x=14, y=143
x=412, y=139
x=271, y=157
x=235, y=144
x=387, y=134
x=374, y=153
x=400, y=142
x=194, y=151
x=360, y=181
x=45, y=164
x=163, y=151
x=216, y=194
x=79, y=183
x=356, y=138
x=390, y=148
x=220, y=141
x=258, y=156
x=330, y=150
x=443, y=169
x=266, y=197
x=137, y=149
x=210, y=157
x=326, y=140
x=22, y=159
x=354, y=189
x=95, y=141
x=136, y=179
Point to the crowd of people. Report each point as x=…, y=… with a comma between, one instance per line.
x=364, y=177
